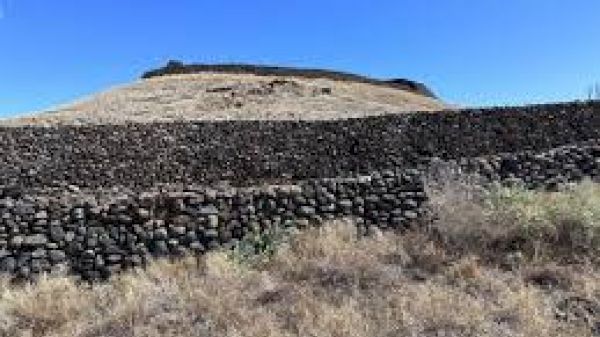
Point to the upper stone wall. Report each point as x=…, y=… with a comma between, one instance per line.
x=248, y=152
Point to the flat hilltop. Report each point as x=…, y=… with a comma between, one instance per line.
x=218, y=95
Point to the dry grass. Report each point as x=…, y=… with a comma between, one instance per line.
x=211, y=96
x=329, y=282
x=560, y=226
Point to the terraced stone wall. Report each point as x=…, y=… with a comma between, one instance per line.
x=247, y=153
x=546, y=169
x=95, y=200
x=94, y=237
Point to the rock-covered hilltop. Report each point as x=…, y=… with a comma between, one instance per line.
x=177, y=67
x=241, y=92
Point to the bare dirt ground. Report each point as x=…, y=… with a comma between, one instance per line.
x=213, y=96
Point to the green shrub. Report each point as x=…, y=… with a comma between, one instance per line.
x=260, y=246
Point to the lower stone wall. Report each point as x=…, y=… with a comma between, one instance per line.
x=85, y=236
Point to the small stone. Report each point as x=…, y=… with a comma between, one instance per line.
x=397, y=221
x=78, y=213
x=182, y=220
x=16, y=241
x=345, y=204
x=213, y=221
x=124, y=219
x=38, y=253
x=56, y=256
x=211, y=233
x=387, y=197
x=41, y=215
x=8, y=264
x=69, y=236
x=113, y=258
x=197, y=247
x=179, y=230
x=306, y=211
x=99, y=261
x=143, y=213
x=59, y=269
x=73, y=188
x=372, y=199
x=410, y=204
x=161, y=234
x=302, y=223
x=89, y=253
x=136, y=260
x=208, y=210
x=327, y=208
x=37, y=240
x=24, y=272
x=160, y=247
x=388, y=174
x=92, y=242
x=410, y=215
x=7, y=203
x=190, y=236
x=57, y=234
x=211, y=195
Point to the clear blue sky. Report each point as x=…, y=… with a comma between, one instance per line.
x=478, y=52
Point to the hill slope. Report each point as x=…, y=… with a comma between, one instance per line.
x=176, y=67
x=227, y=96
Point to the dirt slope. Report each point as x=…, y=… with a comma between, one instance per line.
x=219, y=96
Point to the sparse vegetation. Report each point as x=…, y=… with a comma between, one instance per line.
x=493, y=262
x=539, y=226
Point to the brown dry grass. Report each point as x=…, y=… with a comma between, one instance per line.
x=328, y=282
x=207, y=96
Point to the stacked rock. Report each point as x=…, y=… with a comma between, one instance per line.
x=249, y=152
x=95, y=200
x=93, y=240
x=546, y=170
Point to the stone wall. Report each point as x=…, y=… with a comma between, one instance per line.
x=95, y=200
x=92, y=238
x=94, y=235
x=546, y=169
x=251, y=152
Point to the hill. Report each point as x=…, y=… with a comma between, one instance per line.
x=240, y=93
x=176, y=67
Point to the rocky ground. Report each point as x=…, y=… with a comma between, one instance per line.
x=212, y=96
